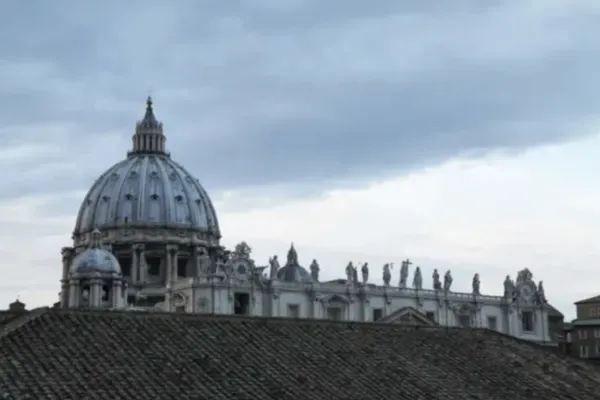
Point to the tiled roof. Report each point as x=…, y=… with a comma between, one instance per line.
x=68, y=354
x=553, y=312
x=595, y=299
x=6, y=316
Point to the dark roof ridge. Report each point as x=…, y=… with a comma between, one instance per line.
x=254, y=319
x=18, y=322
x=272, y=320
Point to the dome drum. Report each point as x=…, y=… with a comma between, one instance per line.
x=116, y=234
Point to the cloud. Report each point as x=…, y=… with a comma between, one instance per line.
x=292, y=102
x=328, y=95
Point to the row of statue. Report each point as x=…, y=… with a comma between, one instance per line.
x=417, y=282
x=510, y=287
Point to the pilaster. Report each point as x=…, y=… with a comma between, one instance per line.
x=172, y=252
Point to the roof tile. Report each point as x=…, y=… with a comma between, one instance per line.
x=68, y=354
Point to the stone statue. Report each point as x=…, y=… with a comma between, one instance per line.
x=314, y=270
x=418, y=279
x=242, y=250
x=476, y=284
x=274, y=263
x=354, y=274
x=540, y=293
x=509, y=287
x=524, y=276
x=387, y=275
x=437, y=285
x=204, y=263
x=365, y=272
x=67, y=256
x=404, y=272
x=447, y=281
x=349, y=272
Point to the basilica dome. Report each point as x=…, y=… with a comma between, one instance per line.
x=147, y=189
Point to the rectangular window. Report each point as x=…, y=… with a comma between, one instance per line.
x=182, y=267
x=334, y=313
x=582, y=334
x=293, y=310
x=597, y=333
x=464, y=321
x=430, y=315
x=583, y=351
x=492, y=323
x=126, y=264
x=241, y=304
x=527, y=321
x=377, y=314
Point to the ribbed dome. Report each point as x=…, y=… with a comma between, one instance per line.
x=147, y=189
x=95, y=259
x=292, y=271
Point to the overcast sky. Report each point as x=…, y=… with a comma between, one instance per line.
x=462, y=134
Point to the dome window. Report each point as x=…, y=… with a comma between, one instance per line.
x=172, y=176
x=106, y=198
x=154, y=175
x=198, y=201
x=133, y=174
x=154, y=196
x=179, y=198
x=88, y=202
x=114, y=176
x=128, y=196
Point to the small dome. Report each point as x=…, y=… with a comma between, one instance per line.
x=292, y=271
x=95, y=259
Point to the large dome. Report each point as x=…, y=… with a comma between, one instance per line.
x=147, y=189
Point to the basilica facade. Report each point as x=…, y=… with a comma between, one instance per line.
x=147, y=237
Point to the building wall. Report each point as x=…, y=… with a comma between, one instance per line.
x=588, y=310
x=335, y=301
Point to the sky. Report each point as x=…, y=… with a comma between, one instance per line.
x=463, y=135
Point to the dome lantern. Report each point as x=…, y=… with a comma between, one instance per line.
x=149, y=137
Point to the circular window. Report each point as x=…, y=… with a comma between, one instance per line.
x=241, y=269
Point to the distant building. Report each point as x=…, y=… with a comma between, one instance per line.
x=147, y=237
x=582, y=335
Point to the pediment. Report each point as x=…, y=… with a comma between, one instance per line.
x=334, y=298
x=408, y=316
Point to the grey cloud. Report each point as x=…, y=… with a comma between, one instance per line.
x=261, y=93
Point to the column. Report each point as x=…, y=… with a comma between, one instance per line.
x=73, y=294
x=169, y=265
x=97, y=293
x=67, y=257
x=124, y=290
x=174, y=266
x=172, y=262
x=197, y=263
x=135, y=264
x=117, y=295
x=142, y=264
x=64, y=293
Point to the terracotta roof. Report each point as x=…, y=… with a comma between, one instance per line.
x=595, y=299
x=68, y=354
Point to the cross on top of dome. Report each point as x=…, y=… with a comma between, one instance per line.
x=149, y=117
